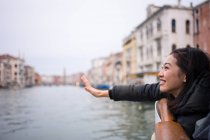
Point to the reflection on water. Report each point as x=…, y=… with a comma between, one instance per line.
x=70, y=113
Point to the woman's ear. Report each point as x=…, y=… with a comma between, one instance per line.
x=185, y=79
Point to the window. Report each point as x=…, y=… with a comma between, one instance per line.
x=147, y=51
x=173, y=25
x=151, y=52
x=187, y=27
x=158, y=24
x=158, y=47
x=151, y=30
x=197, y=26
x=147, y=32
x=188, y=46
x=128, y=54
x=142, y=35
x=173, y=47
x=196, y=11
x=197, y=46
x=141, y=53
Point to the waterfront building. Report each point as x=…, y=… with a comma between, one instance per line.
x=5, y=74
x=47, y=80
x=112, y=69
x=64, y=77
x=201, y=19
x=165, y=28
x=17, y=70
x=38, y=79
x=29, y=76
x=74, y=79
x=96, y=73
x=117, y=70
x=129, y=58
x=57, y=80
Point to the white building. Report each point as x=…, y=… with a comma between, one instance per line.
x=166, y=28
x=47, y=79
x=17, y=69
x=96, y=74
x=5, y=74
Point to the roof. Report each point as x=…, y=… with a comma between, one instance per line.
x=201, y=4
x=160, y=10
x=7, y=56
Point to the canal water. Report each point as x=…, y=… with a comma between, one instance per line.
x=70, y=113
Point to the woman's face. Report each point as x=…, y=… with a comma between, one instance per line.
x=172, y=79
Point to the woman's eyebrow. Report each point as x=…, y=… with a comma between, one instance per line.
x=167, y=64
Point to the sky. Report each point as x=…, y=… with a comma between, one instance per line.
x=53, y=35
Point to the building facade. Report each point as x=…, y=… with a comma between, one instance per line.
x=201, y=19
x=17, y=70
x=112, y=69
x=29, y=76
x=129, y=60
x=166, y=28
x=5, y=74
x=96, y=73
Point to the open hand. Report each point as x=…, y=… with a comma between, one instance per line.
x=95, y=92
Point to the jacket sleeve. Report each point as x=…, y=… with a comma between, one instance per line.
x=147, y=92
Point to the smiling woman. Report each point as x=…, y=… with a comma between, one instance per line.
x=170, y=69
x=184, y=82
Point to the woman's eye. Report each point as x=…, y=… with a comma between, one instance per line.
x=165, y=68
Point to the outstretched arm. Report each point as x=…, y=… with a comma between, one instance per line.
x=95, y=92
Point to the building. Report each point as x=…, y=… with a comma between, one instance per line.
x=112, y=69
x=38, y=79
x=47, y=80
x=17, y=70
x=29, y=76
x=201, y=19
x=96, y=73
x=74, y=79
x=165, y=28
x=129, y=58
x=5, y=74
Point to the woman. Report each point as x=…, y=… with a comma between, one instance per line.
x=184, y=81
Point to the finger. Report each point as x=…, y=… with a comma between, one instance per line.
x=84, y=79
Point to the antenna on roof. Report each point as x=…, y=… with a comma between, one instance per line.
x=19, y=55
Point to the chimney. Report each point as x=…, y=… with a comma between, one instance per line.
x=179, y=3
x=191, y=5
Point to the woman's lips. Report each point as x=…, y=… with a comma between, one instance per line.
x=162, y=82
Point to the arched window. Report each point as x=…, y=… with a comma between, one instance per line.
x=173, y=47
x=197, y=46
x=187, y=26
x=173, y=25
x=197, y=26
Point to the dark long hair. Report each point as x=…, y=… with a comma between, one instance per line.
x=192, y=62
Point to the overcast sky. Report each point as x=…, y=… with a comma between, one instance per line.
x=55, y=34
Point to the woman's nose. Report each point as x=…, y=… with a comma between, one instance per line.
x=160, y=74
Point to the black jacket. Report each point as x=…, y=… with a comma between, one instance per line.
x=202, y=129
x=195, y=107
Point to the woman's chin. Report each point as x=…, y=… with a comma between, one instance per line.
x=162, y=89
